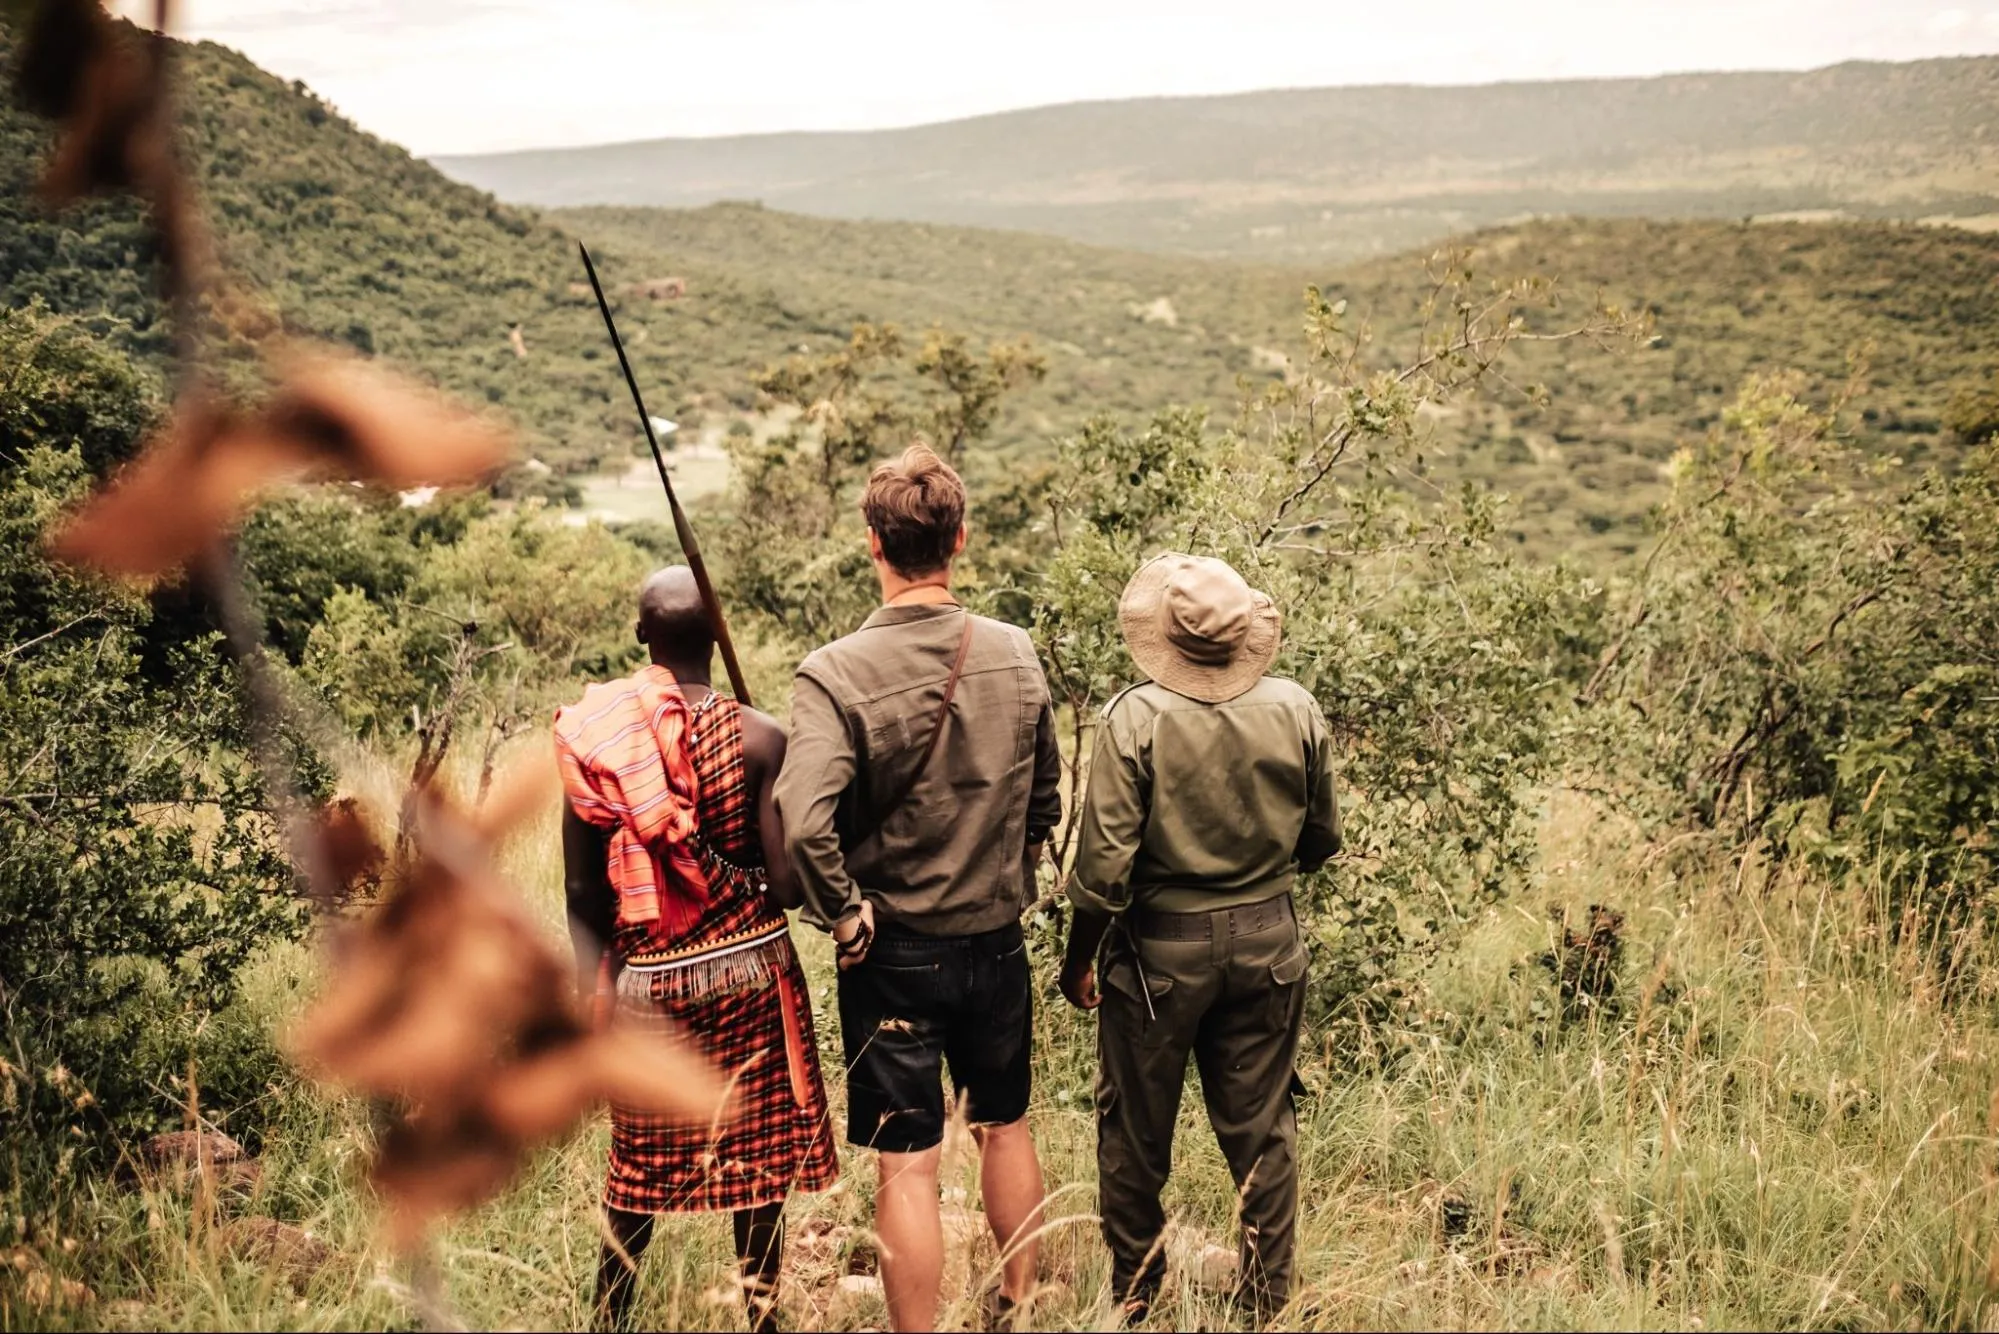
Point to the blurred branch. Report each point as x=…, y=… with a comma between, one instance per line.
x=25, y=645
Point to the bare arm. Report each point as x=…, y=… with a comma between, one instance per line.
x=586, y=885
x=763, y=756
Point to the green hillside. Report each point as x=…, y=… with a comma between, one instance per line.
x=349, y=238
x=1338, y=173
x=1727, y=300
x=1919, y=308
x=346, y=237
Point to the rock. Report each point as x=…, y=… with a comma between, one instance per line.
x=860, y=1287
x=1215, y=1268
x=292, y=1252
x=190, y=1148
x=818, y=1243
x=660, y=289
x=42, y=1288
x=178, y=1159
x=125, y=1313
x=44, y=1291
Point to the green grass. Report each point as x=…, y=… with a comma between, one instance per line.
x=1787, y=1125
x=632, y=493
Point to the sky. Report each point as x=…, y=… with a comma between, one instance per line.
x=461, y=76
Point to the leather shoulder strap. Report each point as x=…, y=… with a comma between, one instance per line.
x=901, y=794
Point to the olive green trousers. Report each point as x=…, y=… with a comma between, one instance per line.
x=1236, y=1003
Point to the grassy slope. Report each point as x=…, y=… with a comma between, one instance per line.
x=1348, y=172
x=1728, y=300
x=350, y=238
x=1782, y=1128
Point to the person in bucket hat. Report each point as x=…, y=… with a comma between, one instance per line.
x=1210, y=789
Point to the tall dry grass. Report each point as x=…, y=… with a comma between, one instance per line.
x=1788, y=1120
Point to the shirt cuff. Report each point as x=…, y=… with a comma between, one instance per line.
x=1088, y=899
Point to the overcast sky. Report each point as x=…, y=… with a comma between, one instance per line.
x=444, y=76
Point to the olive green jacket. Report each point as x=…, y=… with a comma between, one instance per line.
x=1193, y=807
x=953, y=859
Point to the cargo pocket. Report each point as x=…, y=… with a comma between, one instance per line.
x=1289, y=970
x=1122, y=976
x=1287, y=984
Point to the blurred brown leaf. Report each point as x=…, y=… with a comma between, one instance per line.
x=430, y=990
x=61, y=38
x=445, y=1157
x=199, y=475
x=448, y=1001
x=524, y=790
x=353, y=855
x=546, y=1094
x=104, y=87
x=192, y=482
x=373, y=425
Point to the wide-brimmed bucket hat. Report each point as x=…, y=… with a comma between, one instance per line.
x=1196, y=626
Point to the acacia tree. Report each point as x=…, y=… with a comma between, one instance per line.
x=793, y=549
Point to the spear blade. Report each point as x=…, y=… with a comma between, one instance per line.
x=681, y=527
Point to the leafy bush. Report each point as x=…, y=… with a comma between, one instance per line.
x=139, y=866
x=1809, y=654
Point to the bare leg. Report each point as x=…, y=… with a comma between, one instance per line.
x=760, y=1253
x=1010, y=1186
x=617, y=1274
x=911, y=1236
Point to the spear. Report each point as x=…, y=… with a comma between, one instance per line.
x=681, y=526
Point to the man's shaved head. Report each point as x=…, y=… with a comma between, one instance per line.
x=673, y=622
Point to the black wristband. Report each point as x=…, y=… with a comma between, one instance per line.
x=857, y=944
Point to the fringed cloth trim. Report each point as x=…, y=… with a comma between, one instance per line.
x=746, y=961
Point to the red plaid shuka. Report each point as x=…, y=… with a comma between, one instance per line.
x=627, y=768
x=730, y=983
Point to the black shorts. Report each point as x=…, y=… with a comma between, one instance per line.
x=916, y=1001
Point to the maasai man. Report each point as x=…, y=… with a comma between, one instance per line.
x=674, y=861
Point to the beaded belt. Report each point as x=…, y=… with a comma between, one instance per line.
x=654, y=960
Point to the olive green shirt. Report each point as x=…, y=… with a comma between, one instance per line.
x=1193, y=807
x=953, y=858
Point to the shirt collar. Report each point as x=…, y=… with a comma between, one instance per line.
x=910, y=613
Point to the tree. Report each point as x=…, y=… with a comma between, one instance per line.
x=1431, y=651
x=794, y=549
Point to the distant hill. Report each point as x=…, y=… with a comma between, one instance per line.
x=1348, y=172
x=1728, y=299
x=345, y=237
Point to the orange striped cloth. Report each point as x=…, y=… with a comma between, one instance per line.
x=625, y=767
